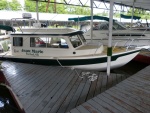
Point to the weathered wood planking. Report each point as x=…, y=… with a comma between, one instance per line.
x=129, y=96
x=47, y=89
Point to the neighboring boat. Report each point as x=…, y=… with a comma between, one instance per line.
x=120, y=34
x=9, y=102
x=137, y=25
x=4, y=37
x=64, y=47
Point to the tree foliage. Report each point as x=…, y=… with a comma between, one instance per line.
x=15, y=5
x=10, y=5
x=60, y=8
x=3, y=4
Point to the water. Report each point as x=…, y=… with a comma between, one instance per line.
x=7, y=105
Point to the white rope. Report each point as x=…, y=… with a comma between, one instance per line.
x=59, y=62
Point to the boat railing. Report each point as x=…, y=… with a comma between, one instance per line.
x=99, y=44
x=130, y=41
x=14, y=22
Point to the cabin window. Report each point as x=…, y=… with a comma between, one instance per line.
x=48, y=42
x=82, y=38
x=17, y=41
x=37, y=42
x=75, y=40
x=57, y=42
x=104, y=26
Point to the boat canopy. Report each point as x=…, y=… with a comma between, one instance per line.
x=129, y=17
x=7, y=28
x=89, y=18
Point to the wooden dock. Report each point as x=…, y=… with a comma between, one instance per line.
x=129, y=96
x=53, y=89
x=46, y=89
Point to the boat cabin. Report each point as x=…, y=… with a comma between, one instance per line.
x=54, y=42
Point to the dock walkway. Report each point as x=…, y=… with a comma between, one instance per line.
x=46, y=89
x=129, y=96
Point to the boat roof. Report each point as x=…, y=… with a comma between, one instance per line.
x=46, y=30
x=129, y=17
x=89, y=18
x=48, y=34
x=7, y=28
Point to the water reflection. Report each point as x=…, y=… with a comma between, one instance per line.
x=1, y=104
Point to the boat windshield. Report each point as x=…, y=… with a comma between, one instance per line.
x=76, y=40
x=82, y=38
x=103, y=26
x=116, y=26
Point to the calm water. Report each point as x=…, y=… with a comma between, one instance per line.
x=7, y=105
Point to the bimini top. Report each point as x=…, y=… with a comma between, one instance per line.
x=89, y=18
x=7, y=28
x=129, y=17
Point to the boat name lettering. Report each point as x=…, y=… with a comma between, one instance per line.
x=36, y=51
x=32, y=52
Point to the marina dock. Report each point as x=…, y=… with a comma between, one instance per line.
x=46, y=89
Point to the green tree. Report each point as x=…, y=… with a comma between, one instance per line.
x=3, y=4
x=13, y=5
x=60, y=8
x=77, y=10
x=139, y=12
x=31, y=6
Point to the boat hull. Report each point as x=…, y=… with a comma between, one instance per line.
x=88, y=63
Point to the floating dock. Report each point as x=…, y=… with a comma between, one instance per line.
x=46, y=89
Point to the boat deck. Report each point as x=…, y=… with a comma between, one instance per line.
x=44, y=89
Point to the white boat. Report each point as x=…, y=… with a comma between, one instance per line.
x=4, y=37
x=120, y=34
x=64, y=47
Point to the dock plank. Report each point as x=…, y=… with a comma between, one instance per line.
x=90, y=108
x=98, y=85
x=97, y=106
x=40, y=87
x=40, y=105
x=121, y=103
x=61, y=105
x=82, y=109
x=113, y=103
x=106, y=106
x=63, y=91
x=129, y=99
x=83, y=95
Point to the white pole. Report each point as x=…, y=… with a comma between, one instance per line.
x=109, y=49
x=132, y=15
x=91, y=20
x=120, y=15
x=37, y=11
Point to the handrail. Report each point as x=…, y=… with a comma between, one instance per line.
x=99, y=44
